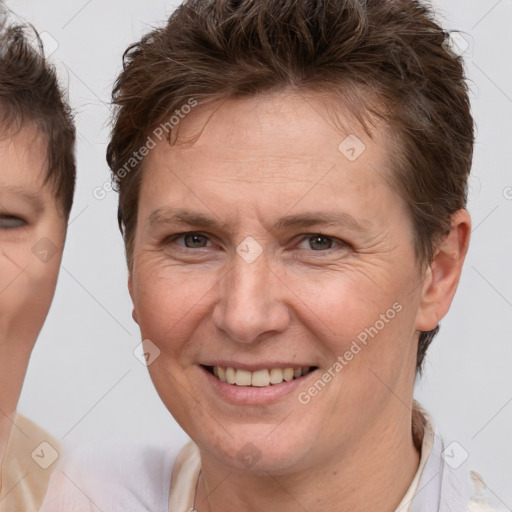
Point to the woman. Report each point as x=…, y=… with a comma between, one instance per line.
x=292, y=179
x=37, y=179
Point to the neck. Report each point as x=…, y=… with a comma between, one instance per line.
x=6, y=421
x=372, y=475
x=13, y=365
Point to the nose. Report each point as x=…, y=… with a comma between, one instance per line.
x=252, y=303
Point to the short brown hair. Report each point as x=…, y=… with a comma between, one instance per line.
x=387, y=58
x=30, y=93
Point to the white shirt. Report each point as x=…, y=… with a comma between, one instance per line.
x=30, y=457
x=159, y=480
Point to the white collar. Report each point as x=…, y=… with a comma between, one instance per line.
x=436, y=486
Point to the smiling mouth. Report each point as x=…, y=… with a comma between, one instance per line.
x=259, y=378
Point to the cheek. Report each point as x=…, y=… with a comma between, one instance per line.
x=365, y=324
x=376, y=357
x=168, y=301
x=14, y=258
x=26, y=298
x=169, y=306
x=345, y=302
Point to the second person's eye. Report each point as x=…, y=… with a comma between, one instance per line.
x=11, y=222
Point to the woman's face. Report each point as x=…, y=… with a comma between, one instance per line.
x=32, y=231
x=270, y=244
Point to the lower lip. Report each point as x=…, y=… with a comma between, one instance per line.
x=253, y=395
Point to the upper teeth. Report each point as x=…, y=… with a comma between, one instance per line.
x=259, y=378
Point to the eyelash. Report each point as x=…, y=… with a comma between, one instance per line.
x=306, y=236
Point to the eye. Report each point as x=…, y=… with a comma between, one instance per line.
x=319, y=242
x=190, y=240
x=11, y=222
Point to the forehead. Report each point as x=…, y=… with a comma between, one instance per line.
x=23, y=159
x=291, y=121
x=280, y=140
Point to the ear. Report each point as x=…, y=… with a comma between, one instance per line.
x=443, y=274
x=130, y=289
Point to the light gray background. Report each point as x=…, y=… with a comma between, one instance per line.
x=84, y=382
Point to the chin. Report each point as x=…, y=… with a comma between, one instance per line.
x=259, y=448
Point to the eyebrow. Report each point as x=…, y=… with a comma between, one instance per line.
x=30, y=197
x=166, y=215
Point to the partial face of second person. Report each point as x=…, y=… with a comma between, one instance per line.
x=337, y=260
x=32, y=232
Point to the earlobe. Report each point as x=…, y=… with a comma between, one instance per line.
x=443, y=274
x=130, y=290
